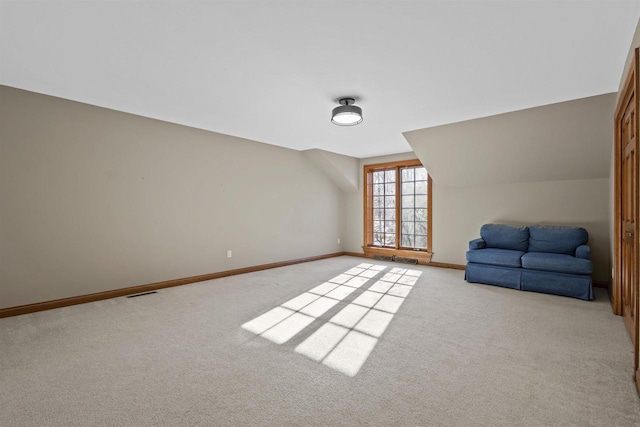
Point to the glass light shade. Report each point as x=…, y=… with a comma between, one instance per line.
x=346, y=115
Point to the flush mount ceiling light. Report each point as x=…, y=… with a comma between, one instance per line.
x=346, y=114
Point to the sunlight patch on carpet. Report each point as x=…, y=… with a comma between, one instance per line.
x=344, y=342
x=288, y=328
x=267, y=320
x=347, y=340
x=351, y=353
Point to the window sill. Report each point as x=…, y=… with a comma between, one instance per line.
x=423, y=257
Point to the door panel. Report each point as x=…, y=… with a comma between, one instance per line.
x=628, y=209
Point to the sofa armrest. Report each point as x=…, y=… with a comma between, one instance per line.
x=583, y=252
x=477, y=244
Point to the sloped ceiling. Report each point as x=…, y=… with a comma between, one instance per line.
x=564, y=141
x=342, y=170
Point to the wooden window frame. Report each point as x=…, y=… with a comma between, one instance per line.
x=423, y=255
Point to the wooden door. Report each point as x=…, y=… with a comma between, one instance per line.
x=628, y=193
x=627, y=220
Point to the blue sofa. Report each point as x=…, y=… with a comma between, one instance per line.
x=539, y=258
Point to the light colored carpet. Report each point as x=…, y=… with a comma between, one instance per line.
x=454, y=354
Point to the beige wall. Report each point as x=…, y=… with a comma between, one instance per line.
x=544, y=165
x=355, y=202
x=459, y=212
x=93, y=200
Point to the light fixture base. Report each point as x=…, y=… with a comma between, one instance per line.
x=346, y=101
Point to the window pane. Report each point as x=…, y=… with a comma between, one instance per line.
x=407, y=227
x=407, y=214
x=407, y=240
x=421, y=214
x=407, y=174
x=378, y=177
x=377, y=226
x=390, y=201
x=421, y=201
x=378, y=239
x=421, y=241
x=390, y=214
x=378, y=214
x=391, y=175
x=421, y=228
x=378, y=189
x=390, y=239
x=421, y=187
x=390, y=189
x=407, y=201
x=378, y=202
x=421, y=174
x=390, y=226
x=407, y=188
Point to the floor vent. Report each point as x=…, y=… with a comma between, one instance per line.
x=407, y=260
x=139, y=295
x=394, y=258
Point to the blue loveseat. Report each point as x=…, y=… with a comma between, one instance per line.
x=549, y=259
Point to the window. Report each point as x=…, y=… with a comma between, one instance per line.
x=397, y=212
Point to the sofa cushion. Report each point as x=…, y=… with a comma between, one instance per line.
x=583, y=251
x=556, y=239
x=477, y=244
x=496, y=256
x=560, y=263
x=505, y=236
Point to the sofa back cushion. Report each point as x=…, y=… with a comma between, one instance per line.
x=505, y=236
x=556, y=239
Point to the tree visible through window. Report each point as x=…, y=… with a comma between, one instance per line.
x=397, y=206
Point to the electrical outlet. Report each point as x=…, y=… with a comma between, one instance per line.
x=229, y=253
x=338, y=240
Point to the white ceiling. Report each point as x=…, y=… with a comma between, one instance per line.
x=271, y=71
